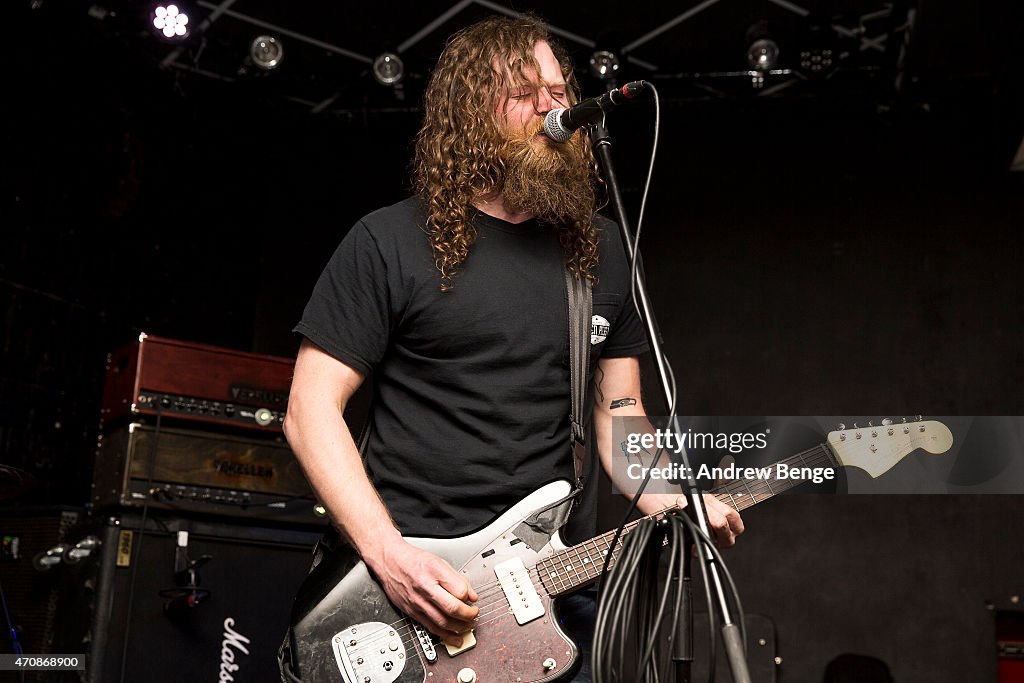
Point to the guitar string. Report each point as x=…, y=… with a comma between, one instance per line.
x=491, y=610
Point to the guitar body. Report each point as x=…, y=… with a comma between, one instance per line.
x=344, y=619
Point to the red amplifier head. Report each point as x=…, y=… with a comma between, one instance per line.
x=196, y=382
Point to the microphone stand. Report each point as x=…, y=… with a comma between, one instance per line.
x=731, y=633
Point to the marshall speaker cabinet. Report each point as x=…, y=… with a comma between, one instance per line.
x=180, y=600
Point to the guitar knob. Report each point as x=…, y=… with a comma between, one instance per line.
x=886, y=422
x=467, y=675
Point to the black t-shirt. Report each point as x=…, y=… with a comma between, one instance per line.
x=471, y=386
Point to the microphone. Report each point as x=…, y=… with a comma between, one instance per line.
x=560, y=124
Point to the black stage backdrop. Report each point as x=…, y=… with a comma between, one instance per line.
x=841, y=253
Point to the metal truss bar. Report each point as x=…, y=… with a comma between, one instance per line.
x=641, y=63
x=434, y=25
x=795, y=9
x=202, y=72
x=646, y=38
x=568, y=35
x=1018, y=160
x=291, y=34
x=866, y=43
x=873, y=43
x=767, y=92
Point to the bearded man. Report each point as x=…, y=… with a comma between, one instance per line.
x=455, y=300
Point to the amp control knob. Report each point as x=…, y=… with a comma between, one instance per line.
x=467, y=675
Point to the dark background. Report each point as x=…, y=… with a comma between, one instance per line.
x=821, y=246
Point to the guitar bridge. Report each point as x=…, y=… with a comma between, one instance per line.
x=429, y=653
x=372, y=651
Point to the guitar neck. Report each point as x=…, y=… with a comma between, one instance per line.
x=577, y=566
x=745, y=492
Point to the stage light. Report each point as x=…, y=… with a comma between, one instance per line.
x=604, y=65
x=388, y=69
x=762, y=50
x=170, y=21
x=266, y=52
x=763, y=54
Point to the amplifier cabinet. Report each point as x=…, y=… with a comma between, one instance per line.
x=31, y=595
x=197, y=383
x=123, y=607
x=201, y=471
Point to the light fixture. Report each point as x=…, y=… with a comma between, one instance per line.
x=170, y=21
x=388, y=69
x=763, y=54
x=604, y=65
x=266, y=52
x=762, y=50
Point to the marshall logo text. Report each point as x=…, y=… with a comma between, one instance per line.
x=232, y=639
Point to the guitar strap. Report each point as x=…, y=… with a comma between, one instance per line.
x=580, y=297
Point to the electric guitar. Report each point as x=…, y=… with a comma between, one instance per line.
x=346, y=628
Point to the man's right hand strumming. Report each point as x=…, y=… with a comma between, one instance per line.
x=421, y=584
x=425, y=588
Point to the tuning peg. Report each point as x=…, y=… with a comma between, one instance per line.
x=841, y=426
x=871, y=423
x=904, y=420
x=920, y=419
x=855, y=425
x=886, y=422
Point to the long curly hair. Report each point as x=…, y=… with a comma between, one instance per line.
x=457, y=157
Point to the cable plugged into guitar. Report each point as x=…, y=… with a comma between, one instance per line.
x=187, y=594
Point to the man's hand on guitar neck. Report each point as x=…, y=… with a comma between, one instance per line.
x=725, y=522
x=425, y=588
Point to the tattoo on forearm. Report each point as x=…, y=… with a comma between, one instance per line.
x=622, y=403
x=598, y=379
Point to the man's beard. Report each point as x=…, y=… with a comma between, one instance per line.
x=552, y=181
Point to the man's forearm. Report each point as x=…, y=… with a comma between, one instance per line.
x=324, y=447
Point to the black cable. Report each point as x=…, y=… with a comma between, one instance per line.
x=137, y=547
x=636, y=591
x=11, y=630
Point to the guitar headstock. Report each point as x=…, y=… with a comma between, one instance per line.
x=876, y=450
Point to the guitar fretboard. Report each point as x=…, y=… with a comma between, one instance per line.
x=577, y=566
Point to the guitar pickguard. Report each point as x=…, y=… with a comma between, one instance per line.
x=505, y=651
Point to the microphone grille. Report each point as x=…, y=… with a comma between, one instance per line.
x=553, y=127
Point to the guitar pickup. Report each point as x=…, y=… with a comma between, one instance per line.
x=522, y=596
